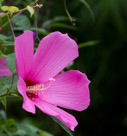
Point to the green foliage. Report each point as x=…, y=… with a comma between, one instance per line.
x=70, y=65
x=11, y=62
x=6, y=87
x=10, y=125
x=88, y=43
x=58, y=22
x=1, y=3
x=11, y=128
x=22, y=21
x=6, y=40
x=62, y=125
x=88, y=7
x=3, y=100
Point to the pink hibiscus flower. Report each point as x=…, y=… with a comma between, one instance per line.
x=4, y=70
x=39, y=80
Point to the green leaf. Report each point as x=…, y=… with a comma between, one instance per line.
x=0, y=3
x=31, y=10
x=14, y=87
x=10, y=125
x=88, y=43
x=22, y=21
x=4, y=88
x=40, y=30
x=70, y=65
x=62, y=25
x=3, y=115
x=11, y=62
x=3, y=37
x=56, y=19
x=88, y=7
x=11, y=9
x=44, y=133
x=6, y=39
x=6, y=79
x=62, y=125
x=3, y=101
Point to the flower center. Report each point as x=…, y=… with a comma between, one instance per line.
x=34, y=91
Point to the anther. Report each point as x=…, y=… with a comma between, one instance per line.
x=35, y=89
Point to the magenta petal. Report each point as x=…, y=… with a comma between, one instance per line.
x=4, y=70
x=54, y=53
x=63, y=116
x=24, y=53
x=69, y=90
x=28, y=105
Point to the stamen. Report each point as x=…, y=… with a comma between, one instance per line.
x=39, y=87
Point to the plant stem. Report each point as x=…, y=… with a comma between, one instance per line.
x=68, y=14
x=11, y=26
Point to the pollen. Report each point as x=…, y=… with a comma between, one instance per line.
x=38, y=89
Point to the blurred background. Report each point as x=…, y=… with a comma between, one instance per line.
x=102, y=38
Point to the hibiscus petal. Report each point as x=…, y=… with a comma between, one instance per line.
x=28, y=105
x=60, y=114
x=54, y=53
x=4, y=70
x=24, y=53
x=69, y=90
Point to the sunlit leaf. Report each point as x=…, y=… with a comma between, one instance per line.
x=11, y=62
x=62, y=125
x=11, y=9
x=88, y=43
x=5, y=8
x=31, y=10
